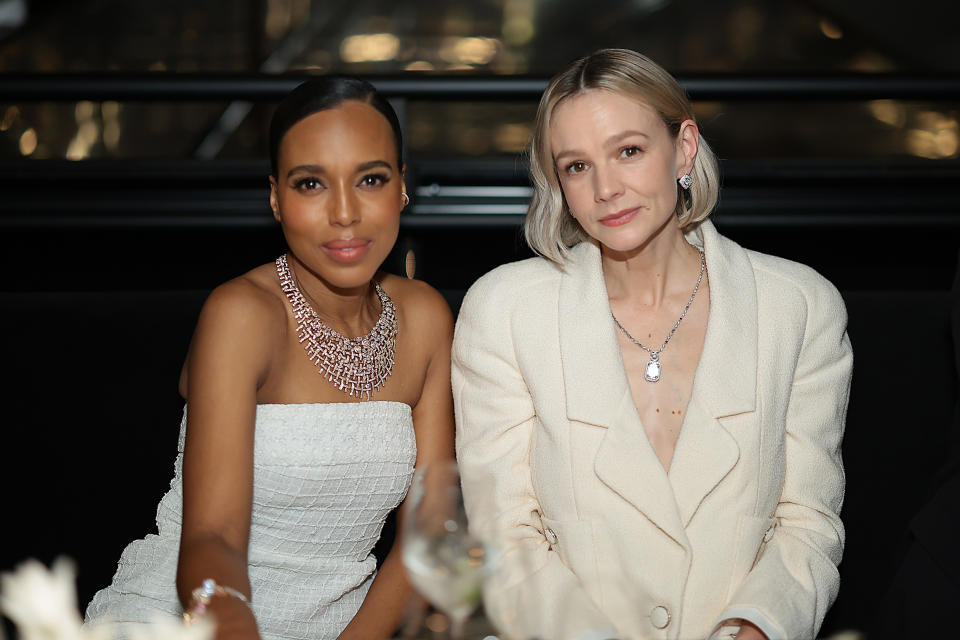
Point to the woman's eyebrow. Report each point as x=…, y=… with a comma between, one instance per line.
x=617, y=137
x=373, y=164
x=306, y=168
x=316, y=168
x=567, y=152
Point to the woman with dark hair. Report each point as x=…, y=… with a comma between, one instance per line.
x=649, y=416
x=285, y=477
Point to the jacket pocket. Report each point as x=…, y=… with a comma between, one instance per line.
x=574, y=542
x=753, y=534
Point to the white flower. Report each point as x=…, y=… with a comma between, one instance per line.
x=43, y=606
x=42, y=603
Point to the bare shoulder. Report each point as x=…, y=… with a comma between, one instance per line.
x=247, y=302
x=241, y=325
x=424, y=308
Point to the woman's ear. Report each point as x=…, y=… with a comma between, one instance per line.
x=274, y=204
x=688, y=142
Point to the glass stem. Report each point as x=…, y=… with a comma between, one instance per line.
x=457, y=625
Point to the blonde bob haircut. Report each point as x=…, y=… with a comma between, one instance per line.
x=549, y=228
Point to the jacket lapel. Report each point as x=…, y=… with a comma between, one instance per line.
x=726, y=379
x=597, y=393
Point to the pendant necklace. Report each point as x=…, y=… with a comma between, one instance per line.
x=654, y=368
x=357, y=366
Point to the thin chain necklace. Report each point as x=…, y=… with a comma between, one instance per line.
x=654, y=368
x=356, y=366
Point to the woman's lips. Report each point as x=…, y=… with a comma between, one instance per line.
x=348, y=250
x=619, y=218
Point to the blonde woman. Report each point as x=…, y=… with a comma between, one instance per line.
x=649, y=416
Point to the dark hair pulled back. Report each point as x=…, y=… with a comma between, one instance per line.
x=325, y=93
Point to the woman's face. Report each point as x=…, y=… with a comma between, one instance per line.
x=337, y=192
x=618, y=166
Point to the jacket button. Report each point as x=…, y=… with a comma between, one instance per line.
x=551, y=536
x=660, y=617
x=768, y=534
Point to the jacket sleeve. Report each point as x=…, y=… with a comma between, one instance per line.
x=532, y=593
x=795, y=580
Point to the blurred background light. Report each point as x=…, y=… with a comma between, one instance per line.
x=518, y=22
x=28, y=142
x=481, y=37
x=936, y=136
x=888, y=112
x=830, y=29
x=373, y=47
x=469, y=51
x=9, y=117
x=418, y=65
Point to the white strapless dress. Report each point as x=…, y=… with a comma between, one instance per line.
x=325, y=478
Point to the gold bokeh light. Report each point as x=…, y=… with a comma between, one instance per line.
x=370, y=47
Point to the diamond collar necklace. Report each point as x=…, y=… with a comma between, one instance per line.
x=357, y=366
x=654, y=368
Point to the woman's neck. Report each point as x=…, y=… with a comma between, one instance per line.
x=351, y=311
x=664, y=267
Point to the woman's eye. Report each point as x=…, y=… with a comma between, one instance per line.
x=307, y=184
x=629, y=152
x=576, y=167
x=373, y=180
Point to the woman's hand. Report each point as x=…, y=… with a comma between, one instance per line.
x=737, y=629
x=233, y=618
x=749, y=631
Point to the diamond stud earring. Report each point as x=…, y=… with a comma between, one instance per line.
x=685, y=181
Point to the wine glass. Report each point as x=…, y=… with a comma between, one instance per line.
x=444, y=561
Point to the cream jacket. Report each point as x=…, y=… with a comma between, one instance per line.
x=595, y=538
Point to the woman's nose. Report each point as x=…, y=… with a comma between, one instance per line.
x=606, y=185
x=343, y=209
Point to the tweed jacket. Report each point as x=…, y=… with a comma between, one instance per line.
x=594, y=536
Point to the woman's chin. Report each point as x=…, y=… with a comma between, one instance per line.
x=624, y=243
x=347, y=279
x=632, y=239
x=344, y=277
